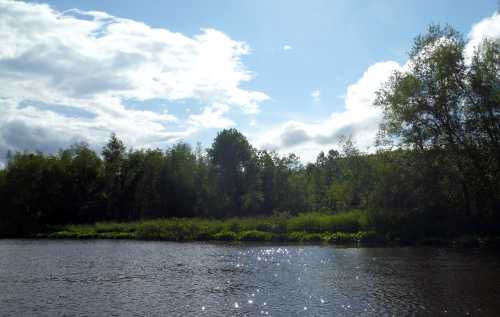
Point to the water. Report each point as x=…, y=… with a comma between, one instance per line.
x=134, y=278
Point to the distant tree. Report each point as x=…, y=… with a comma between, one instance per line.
x=82, y=183
x=149, y=200
x=114, y=154
x=268, y=181
x=230, y=157
x=181, y=168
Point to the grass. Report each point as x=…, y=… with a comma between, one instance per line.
x=346, y=227
x=350, y=227
x=350, y=221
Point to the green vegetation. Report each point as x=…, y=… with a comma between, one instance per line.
x=434, y=176
x=311, y=227
x=307, y=227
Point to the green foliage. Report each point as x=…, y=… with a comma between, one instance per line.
x=225, y=236
x=255, y=235
x=262, y=229
x=276, y=227
x=446, y=109
x=301, y=236
x=318, y=222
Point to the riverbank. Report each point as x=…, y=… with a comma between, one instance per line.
x=308, y=227
x=352, y=227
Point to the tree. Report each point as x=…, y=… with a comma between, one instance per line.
x=230, y=157
x=148, y=199
x=114, y=153
x=82, y=183
x=181, y=168
x=448, y=106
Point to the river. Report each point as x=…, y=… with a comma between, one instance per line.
x=142, y=278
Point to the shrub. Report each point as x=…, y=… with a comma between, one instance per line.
x=224, y=236
x=301, y=236
x=318, y=222
x=116, y=235
x=62, y=235
x=255, y=235
x=343, y=237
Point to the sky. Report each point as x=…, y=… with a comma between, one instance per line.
x=293, y=76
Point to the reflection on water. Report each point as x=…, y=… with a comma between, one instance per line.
x=133, y=278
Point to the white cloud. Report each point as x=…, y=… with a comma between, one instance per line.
x=94, y=62
x=315, y=94
x=287, y=47
x=359, y=120
x=252, y=123
x=212, y=117
x=486, y=28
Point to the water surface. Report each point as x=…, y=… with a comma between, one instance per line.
x=139, y=278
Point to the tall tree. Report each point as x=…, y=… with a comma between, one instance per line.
x=114, y=153
x=83, y=183
x=448, y=105
x=230, y=156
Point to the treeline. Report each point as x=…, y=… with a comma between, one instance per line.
x=79, y=185
x=405, y=191
x=435, y=173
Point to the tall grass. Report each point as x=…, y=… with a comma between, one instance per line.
x=350, y=221
x=312, y=226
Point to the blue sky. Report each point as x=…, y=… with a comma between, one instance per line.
x=294, y=75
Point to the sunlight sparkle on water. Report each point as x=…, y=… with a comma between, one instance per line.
x=236, y=305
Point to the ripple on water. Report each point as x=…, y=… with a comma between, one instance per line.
x=150, y=278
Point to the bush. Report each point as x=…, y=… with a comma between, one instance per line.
x=350, y=221
x=255, y=235
x=116, y=235
x=343, y=237
x=224, y=236
x=301, y=236
x=101, y=227
x=62, y=235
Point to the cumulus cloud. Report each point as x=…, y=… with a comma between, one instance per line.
x=212, y=117
x=486, y=28
x=359, y=119
x=94, y=62
x=315, y=94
